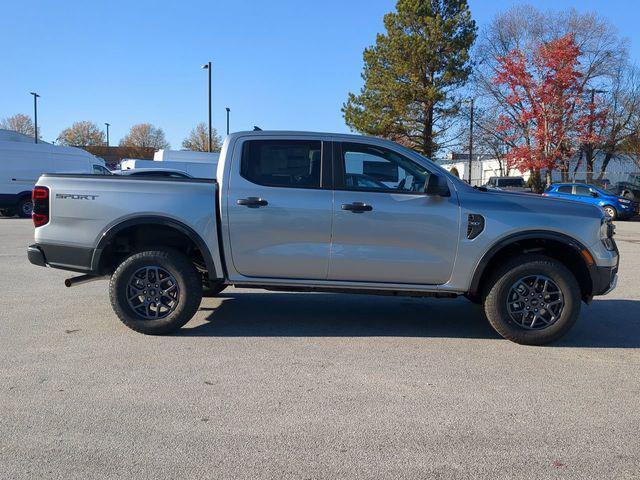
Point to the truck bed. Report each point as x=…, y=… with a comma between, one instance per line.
x=93, y=206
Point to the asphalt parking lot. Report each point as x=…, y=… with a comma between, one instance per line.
x=306, y=386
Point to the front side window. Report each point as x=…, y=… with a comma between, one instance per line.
x=282, y=163
x=583, y=191
x=100, y=170
x=371, y=168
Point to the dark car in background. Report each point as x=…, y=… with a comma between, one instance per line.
x=509, y=184
x=616, y=207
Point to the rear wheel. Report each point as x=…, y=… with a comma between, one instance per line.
x=533, y=300
x=610, y=211
x=25, y=207
x=155, y=292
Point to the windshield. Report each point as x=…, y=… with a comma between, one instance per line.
x=511, y=182
x=604, y=191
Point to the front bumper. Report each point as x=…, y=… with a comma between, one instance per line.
x=604, y=279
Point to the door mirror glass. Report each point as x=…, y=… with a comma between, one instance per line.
x=436, y=185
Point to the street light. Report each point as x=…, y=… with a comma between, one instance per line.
x=108, y=125
x=228, y=110
x=207, y=66
x=35, y=114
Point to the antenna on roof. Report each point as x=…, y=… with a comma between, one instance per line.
x=256, y=129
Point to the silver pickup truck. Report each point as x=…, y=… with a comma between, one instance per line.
x=297, y=211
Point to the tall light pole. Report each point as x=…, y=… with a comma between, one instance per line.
x=207, y=66
x=35, y=114
x=228, y=110
x=108, y=125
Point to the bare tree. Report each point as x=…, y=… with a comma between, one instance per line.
x=20, y=123
x=525, y=27
x=198, y=139
x=82, y=134
x=623, y=114
x=145, y=135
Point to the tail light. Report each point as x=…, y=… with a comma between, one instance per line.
x=40, y=198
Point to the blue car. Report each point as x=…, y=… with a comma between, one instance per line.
x=613, y=205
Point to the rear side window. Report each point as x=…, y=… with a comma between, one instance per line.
x=282, y=163
x=564, y=189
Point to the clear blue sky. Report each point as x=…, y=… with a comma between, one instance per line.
x=279, y=64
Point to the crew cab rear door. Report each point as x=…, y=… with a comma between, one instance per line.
x=387, y=229
x=279, y=208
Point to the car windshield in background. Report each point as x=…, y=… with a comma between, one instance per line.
x=511, y=182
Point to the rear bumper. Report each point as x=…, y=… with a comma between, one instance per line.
x=75, y=259
x=36, y=256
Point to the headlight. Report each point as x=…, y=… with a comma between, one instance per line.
x=624, y=201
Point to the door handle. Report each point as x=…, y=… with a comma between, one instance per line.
x=252, y=202
x=357, y=207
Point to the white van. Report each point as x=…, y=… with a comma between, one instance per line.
x=190, y=156
x=21, y=164
x=195, y=169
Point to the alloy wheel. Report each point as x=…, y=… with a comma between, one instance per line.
x=152, y=292
x=535, y=302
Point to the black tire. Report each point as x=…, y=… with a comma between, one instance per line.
x=610, y=211
x=25, y=207
x=187, y=298
x=527, y=266
x=212, y=291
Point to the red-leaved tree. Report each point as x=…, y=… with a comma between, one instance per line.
x=545, y=117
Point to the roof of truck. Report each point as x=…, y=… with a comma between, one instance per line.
x=302, y=133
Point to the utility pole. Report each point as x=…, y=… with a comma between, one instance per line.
x=207, y=67
x=589, y=149
x=228, y=110
x=470, y=138
x=35, y=114
x=108, y=125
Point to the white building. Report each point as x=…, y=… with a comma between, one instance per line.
x=482, y=169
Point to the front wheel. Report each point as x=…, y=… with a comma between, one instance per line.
x=533, y=300
x=610, y=212
x=155, y=292
x=25, y=207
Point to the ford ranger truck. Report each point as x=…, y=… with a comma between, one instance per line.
x=316, y=212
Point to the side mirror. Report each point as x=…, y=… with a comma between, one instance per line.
x=436, y=185
x=594, y=194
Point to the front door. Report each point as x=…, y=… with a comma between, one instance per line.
x=385, y=228
x=279, y=209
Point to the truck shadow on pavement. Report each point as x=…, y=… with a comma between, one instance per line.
x=603, y=324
